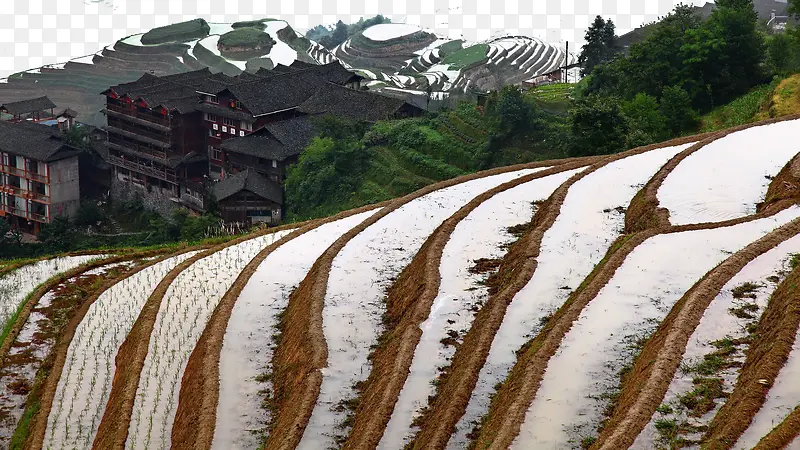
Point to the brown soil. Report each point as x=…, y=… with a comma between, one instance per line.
x=769, y=351
x=517, y=392
x=646, y=384
x=49, y=373
x=485, y=265
x=302, y=350
x=644, y=212
x=45, y=287
x=786, y=185
x=113, y=430
x=408, y=304
x=457, y=383
x=196, y=416
x=784, y=434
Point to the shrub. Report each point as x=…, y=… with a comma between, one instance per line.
x=250, y=38
x=177, y=32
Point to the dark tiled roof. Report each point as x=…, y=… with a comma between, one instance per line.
x=28, y=106
x=278, y=140
x=260, y=146
x=297, y=64
x=295, y=133
x=349, y=103
x=250, y=181
x=68, y=112
x=34, y=141
x=286, y=91
x=227, y=112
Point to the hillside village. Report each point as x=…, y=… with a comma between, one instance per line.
x=181, y=141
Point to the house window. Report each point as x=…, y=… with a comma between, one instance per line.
x=246, y=126
x=275, y=163
x=216, y=154
x=211, y=99
x=241, y=133
x=233, y=132
x=230, y=122
x=211, y=117
x=212, y=133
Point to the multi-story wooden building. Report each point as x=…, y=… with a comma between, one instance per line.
x=39, y=175
x=249, y=197
x=154, y=136
x=239, y=109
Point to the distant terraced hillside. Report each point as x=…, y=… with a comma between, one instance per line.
x=395, y=58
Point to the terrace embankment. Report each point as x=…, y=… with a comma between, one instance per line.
x=302, y=350
x=459, y=378
x=644, y=211
x=647, y=382
x=768, y=353
x=785, y=186
x=195, y=418
x=408, y=304
x=786, y=433
x=113, y=430
x=40, y=398
x=517, y=392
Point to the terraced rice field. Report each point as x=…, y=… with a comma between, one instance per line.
x=640, y=300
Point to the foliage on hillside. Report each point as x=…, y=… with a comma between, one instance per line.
x=351, y=165
x=475, y=54
x=246, y=37
x=177, y=32
x=252, y=23
x=330, y=37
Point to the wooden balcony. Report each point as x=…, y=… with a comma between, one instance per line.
x=144, y=169
x=22, y=173
x=147, y=119
x=160, y=125
x=129, y=147
x=140, y=135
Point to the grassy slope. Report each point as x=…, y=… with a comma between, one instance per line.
x=777, y=99
x=467, y=56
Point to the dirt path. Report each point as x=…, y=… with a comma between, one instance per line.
x=644, y=211
x=458, y=381
x=408, y=305
x=302, y=350
x=647, y=382
x=784, y=434
x=196, y=415
x=38, y=422
x=769, y=351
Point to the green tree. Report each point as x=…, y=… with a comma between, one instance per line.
x=599, y=46
x=645, y=121
x=794, y=8
x=57, y=235
x=337, y=36
x=510, y=111
x=597, y=127
x=5, y=228
x=327, y=173
x=724, y=56
x=676, y=107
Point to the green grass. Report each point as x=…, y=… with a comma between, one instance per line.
x=252, y=23
x=177, y=32
x=468, y=56
x=451, y=47
x=246, y=37
x=745, y=109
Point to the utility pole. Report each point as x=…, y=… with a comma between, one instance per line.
x=566, y=64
